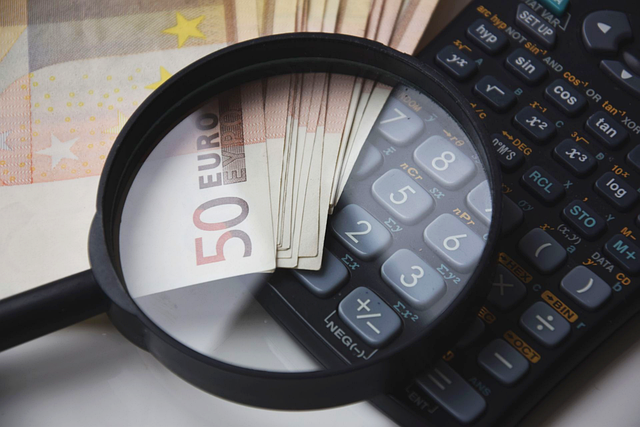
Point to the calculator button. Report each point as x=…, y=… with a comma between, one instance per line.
x=455, y=63
x=369, y=160
x=471, y=335
x=607, y=130
x=543, y=251
x=545, y=324
x=503, y=362
x=604, y=30
x=616, y=191
x=633, y=158
x=525, y=66
x=506, y=291
x=413, y=279
x=512, y=216
x=452, y=393
x=542, y=32
x=585, y=287
x=566, y=98
x=402, y=197
x=369, y=317
x=557, y=7
x=498, y=96
x=575, y=158
x=454, y=242
x=444, y=162
x=326, y=281
x=584, y=220
x=508, y=155
x=480, y=202
x=625, y=254
x=534, y=125
x=360, y=232
x=487, y=37
x=632, y=59
x=398, y=124
x=542, y=185
x=622, y=76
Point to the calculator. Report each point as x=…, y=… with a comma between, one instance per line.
x=557, y=84
x=404, y=242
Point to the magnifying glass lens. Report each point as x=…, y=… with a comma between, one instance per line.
x=237, y=195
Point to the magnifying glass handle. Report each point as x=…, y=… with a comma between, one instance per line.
x=49, y=307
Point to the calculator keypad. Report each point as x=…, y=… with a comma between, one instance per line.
x=571, y=182
x=383, y=249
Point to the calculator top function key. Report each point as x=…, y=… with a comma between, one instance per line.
x=497, y=95
x=455, y=63
x=607, y=130
x=487, y=37
x=622, y=76
x=603, y=31
x=532, y=23
x=534, y=124
x=565, y=97
x=526, y=67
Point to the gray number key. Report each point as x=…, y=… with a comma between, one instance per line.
x=360, y=232
x=444, y=162
x=369, y=317
x=480, y=203
x=402, y=196
x=454, y=242
x=398, y=124
x=325, y=282
x=413, y=279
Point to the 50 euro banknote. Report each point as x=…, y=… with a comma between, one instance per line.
x=202, y=194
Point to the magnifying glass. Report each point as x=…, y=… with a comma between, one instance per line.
x=407, y=256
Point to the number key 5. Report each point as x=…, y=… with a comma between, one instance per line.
x=402, y=196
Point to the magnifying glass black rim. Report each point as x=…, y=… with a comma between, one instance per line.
x=277, y=390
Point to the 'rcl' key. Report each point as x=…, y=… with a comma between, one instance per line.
x=542, y=185
x=617, y=192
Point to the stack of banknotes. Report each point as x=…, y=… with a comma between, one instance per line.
x=73, y=71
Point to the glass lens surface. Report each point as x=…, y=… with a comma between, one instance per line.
x=309, y=188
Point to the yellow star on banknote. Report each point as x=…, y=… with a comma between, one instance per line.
x=164, y=76
x=185, y=28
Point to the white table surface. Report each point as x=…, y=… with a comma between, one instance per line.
x=88, y=375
